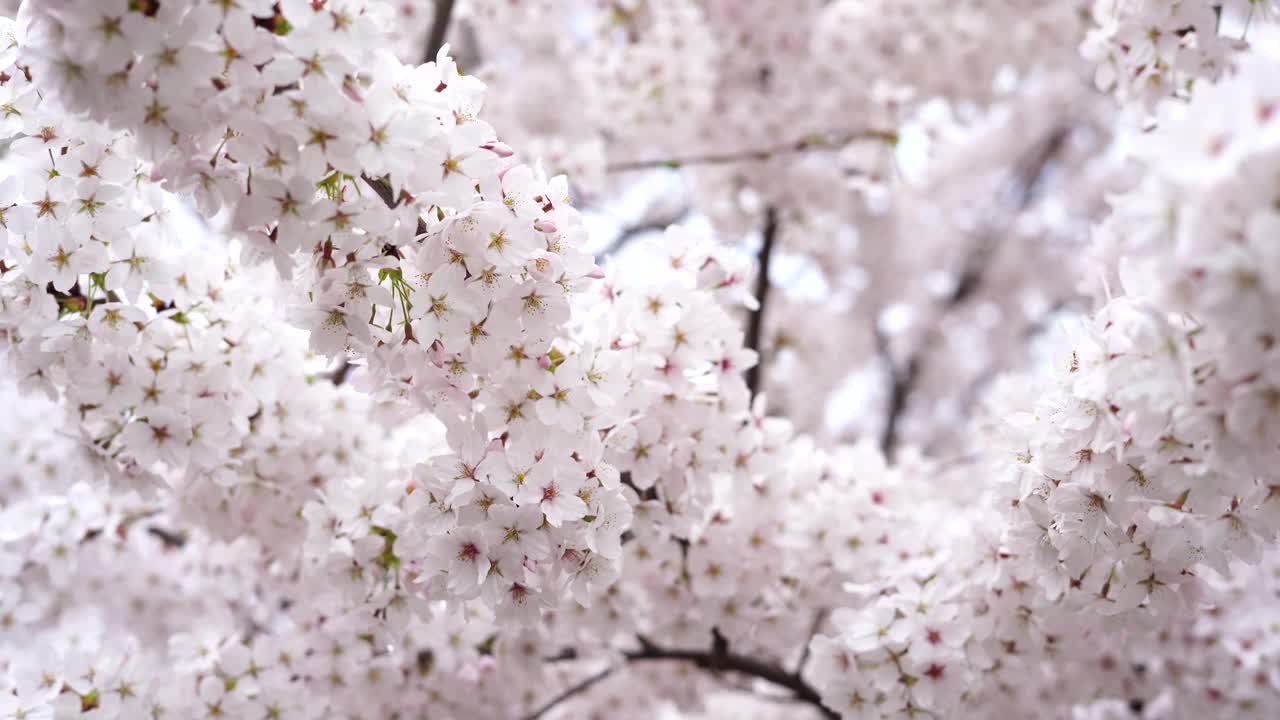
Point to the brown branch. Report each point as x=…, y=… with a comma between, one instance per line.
x=755, y=324
x=439, y=27
x=760, y=155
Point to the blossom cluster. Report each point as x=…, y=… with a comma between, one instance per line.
x=327, y=412
x=1148, y=51
x=1136, y=478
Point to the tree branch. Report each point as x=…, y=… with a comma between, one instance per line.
x=755, y=324
x=818, y=618
x=805, y=145
x=1022, y=188
x=439, y=27
x=900, y=383
x=719, y=659
x=170, y=538
x=731, y=662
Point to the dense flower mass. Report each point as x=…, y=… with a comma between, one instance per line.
x=931, y=376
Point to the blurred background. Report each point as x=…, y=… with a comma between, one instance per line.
x=931, y=170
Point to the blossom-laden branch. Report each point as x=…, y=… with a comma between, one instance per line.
x=1023, y=188
x=808, y=144
x=719, y=657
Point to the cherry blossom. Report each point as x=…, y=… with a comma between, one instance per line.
x=651, y=358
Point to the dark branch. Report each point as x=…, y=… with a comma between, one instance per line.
x=170, y=538
x=806, y=145
x=383, y=188
x=730, y=662
x=755, y=324
x=719, y=643
x=900, y=382
x=719, y=659
x=439, y=27
x=384, y=191
x=342, y=372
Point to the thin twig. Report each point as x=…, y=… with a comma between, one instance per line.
x=439, y=27
x=755, y=324
x=759, y=155
x=818, y=618
x=632, y=232
x=581, y=687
